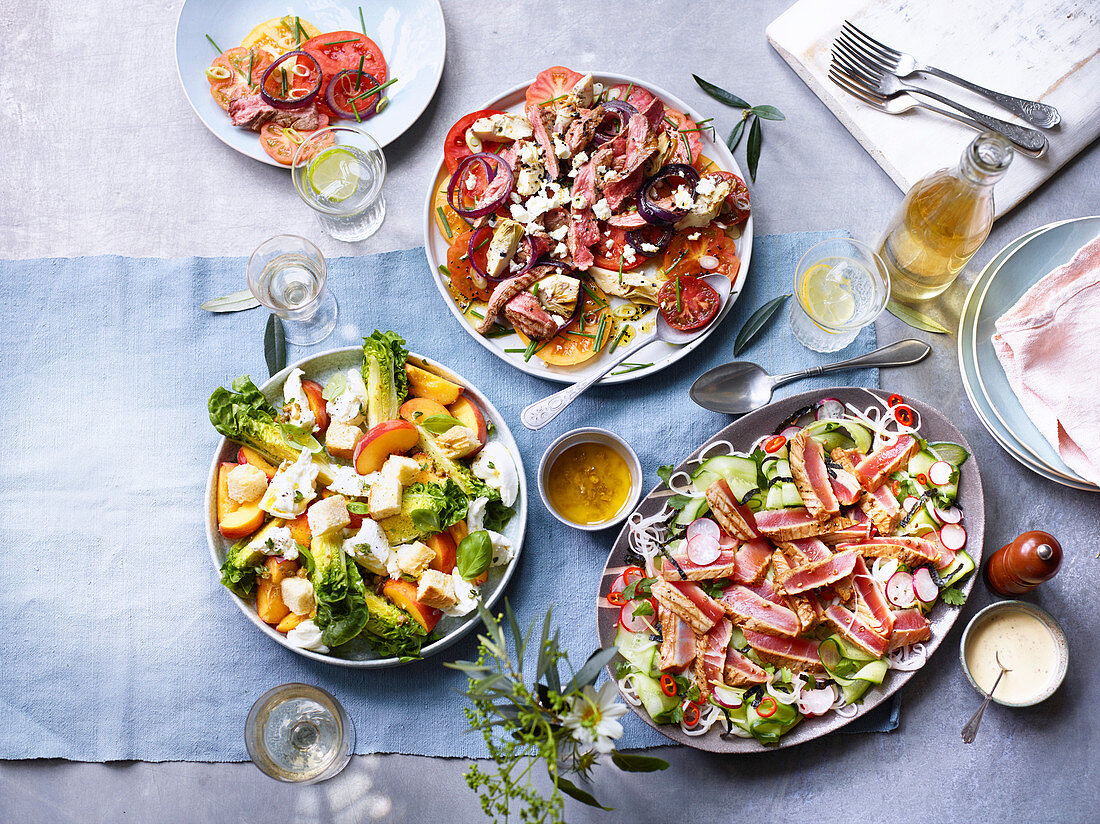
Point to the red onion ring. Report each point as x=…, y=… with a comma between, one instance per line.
x=636, y=238
x=368, y=81
x=306, y=99
x=486, y=160
x=650, y=209
x=621, y=111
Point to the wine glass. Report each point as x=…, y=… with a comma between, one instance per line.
x=287, y=274
x=299, y=733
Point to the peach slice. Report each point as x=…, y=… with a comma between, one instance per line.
x=424, y=384
x=384, y=439
x=235, y=520
x=317, y=405
x=299, y=530
x=415, y=410
x=290, y=622
x=446, y=552
x=468, y=412
x=403, y=593
x=248, y=455
x=269, y=598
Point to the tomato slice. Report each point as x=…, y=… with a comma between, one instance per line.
x=633, y=94
x=608, y=251
x=688, y=303
x=686, y=257
x=685, y=132
x=455, y=148
x=281, y=143
x=236, y=61
x=301, y=78
x=463, y=278
x=736, y=208
x=279, y=35
x=568, y=349
x=335, y=56
x=551, y=83
x=350, y=86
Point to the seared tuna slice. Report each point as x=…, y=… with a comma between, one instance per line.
x=741, y=671
x=689, y=602
x=749, y=610
x=804, y=607
x=856, y=631
x=710, y=657
x=910, y=627
x=872, y=599
x=798, y=654
x=817, y=574
x=734, y=518
x=811, y=477
x=880, y=464
x=677, y=641
x=882, y=508
x=792, y=524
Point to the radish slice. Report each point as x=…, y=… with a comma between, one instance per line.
x=728, y=698
x=899, y=590
x=790, y=432
x=816, y=702
x=703, y=526
x=923, y=586
x=908, y=504
x=728, y=541
x=953, y=536
x=631, y=622
x=829, y=409
x=939, y=473
x=951, y=515
x=703, y=550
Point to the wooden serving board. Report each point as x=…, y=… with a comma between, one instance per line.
x=1035, y=49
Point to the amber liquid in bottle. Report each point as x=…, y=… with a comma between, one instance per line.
x=943, y=221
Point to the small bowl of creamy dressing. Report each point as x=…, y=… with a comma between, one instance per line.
x=1031, y=645
x=590, y=479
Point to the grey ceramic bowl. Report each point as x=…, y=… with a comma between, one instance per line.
x=592, y=434
x=1047, y=620
x=357, y=653
x=742, y=433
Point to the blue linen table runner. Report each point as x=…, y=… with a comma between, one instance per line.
x=119, y=642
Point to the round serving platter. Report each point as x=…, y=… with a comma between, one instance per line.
x=411, y=34
x=661, y=354
x=742, y=434
x=356, y=653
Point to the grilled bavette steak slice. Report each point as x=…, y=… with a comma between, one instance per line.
x=811, y=477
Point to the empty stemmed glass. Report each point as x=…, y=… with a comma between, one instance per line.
x=287, y=274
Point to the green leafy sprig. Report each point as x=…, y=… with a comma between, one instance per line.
x=525, y=725
x=750, y=118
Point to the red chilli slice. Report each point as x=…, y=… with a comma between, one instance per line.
x=616, y=598
x=668, y=685
x=894, y=400
x=775, y=444
x=903, y=415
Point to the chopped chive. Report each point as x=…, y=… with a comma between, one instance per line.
x=535, y=291
x=464, y=220
x=215, y=45
x=552, y=100
x=599, y=301
x=510, y=351
x=484, y=242
x=532, y=347
x=374, y=90
x=599, y=332
x=580, y=334
x=477, y=314
x=669, y=121
x=340, y=42
x=444, y=270
x=446, y=223
x=631, y=367
x=251, y=60
x=618, y=337
x=678, y=303
x=620, y=270
x=359, y=75
x=298, y=32
x=362, y=22
x=629, y=89
x=282, y=71
x=687, y=148
x=499, y=332
x=675, y=263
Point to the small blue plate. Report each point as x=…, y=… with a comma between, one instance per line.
x=410, y=33
x=1033, y=257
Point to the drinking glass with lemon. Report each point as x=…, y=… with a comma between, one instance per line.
x=339, y=172
x=841, y=285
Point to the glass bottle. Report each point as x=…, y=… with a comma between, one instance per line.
x=943, y=221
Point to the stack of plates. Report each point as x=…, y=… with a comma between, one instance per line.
x=1011, y=273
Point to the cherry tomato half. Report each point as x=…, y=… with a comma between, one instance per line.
x=688, y=303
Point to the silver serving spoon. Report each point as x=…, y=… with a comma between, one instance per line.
x=540, y=413
x=971, y=728
x=740, y=387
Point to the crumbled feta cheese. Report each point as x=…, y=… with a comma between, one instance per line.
x=516, y=198
x=307, y=635
x=693, y=236
x=580, y=202
x=704, y=187
x=560, y=232
x=528, y=181
x=601, y=210
x=629, y=254
x=471, y=181
x=560, y=149
x=561, y=250
x=649, y=248
x=682, y=198
x=291, y=490
x=579, y=159
x=277, y=541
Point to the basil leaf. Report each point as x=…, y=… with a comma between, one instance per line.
x=768, y=112
x=635, y=762
x=752, y=150
x=755, y=323
x=358, y=507
x=475, y=553
x=914, y=318
x=720, y=94
x=335, y=387
x=438, y=424
x=274, y=345
x=735, y=135
x=299, y=437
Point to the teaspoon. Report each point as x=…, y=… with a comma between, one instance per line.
x=971, y=728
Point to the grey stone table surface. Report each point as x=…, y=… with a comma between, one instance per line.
x=126, y=168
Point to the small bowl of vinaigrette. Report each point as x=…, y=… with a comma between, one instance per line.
x=590, y=479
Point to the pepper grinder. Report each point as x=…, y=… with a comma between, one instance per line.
x=1020, y=566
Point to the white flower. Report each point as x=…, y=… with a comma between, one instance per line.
x=592, y=718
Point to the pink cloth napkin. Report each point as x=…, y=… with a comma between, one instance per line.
x=1049, y=346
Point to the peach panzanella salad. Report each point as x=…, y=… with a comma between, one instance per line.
x=367, y=508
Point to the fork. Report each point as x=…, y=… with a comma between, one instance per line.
x=903, y=103
x=902, y=65
x=886, y=85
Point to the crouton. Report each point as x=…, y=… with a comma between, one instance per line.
x=436, y=590
x=414, y=558
x=385, y=498
x=246, y=483
x=328, y=514
x=403, y=470
x=340, y=439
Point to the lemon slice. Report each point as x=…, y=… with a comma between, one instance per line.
x=828, y=300
x=334, y=174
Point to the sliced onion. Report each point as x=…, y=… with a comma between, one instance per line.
x=728, y=697
x=367, y=81
x=790, y=432
x=817, y=702
x=652, y=211
x=703, y=526
x=949, y=515
x=297, y=103
x=829, y=409
x=486, y=160
x=923, y=586
x=636, y=237
x=899, y=590
x=703, y=550
x=618, y=110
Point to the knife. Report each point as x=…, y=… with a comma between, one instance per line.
x=236, y=302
